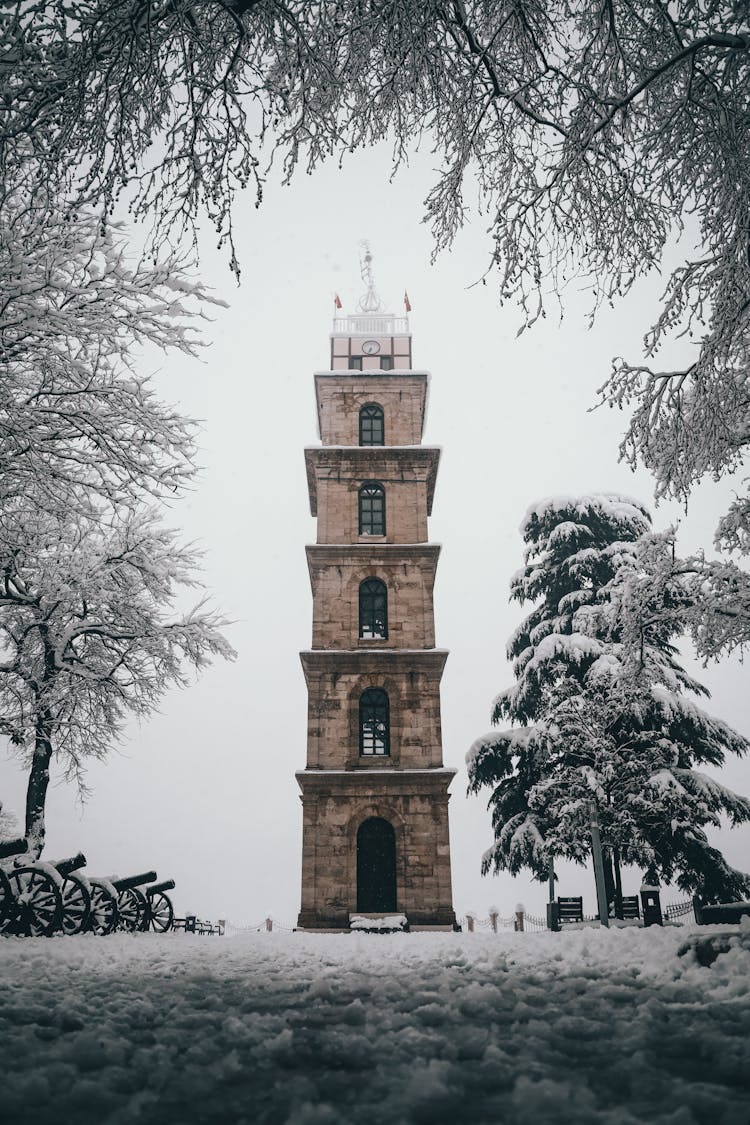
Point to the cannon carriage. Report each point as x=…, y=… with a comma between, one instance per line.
x=38, y=898
x=161, y=912
x=30, y=893
x=130, y=905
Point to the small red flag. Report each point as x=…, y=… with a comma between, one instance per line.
x=337, y=301
x=407, y=302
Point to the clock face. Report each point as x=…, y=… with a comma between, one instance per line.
x=371, y=347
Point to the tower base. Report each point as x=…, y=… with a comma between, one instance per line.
x=336, y=804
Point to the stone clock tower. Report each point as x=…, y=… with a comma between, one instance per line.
x=374, y=791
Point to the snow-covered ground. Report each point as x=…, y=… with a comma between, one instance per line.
x=584, y=1026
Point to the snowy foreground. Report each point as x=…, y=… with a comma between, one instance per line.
x=586, y=1026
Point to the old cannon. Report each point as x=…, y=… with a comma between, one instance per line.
x=104, y=914
x=30, y=893
x=129, y=905
x=132, y=903
x=161, y=914
x=75, y=894
x=39, y=898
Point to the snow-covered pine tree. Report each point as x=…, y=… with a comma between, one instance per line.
x=711, y=596
x=601, y=718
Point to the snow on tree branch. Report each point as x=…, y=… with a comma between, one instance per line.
x=708, y=599
x=605, y=708
x=73, y=411
x=90, y=636
x=595, y=134
x=88, y=576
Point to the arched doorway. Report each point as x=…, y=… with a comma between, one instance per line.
x=376, y=866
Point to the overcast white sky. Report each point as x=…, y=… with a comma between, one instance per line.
x=205, y=791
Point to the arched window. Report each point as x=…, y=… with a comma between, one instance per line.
x=372, y=508
x=373, y=609
x=371, y=430
x=374, y=723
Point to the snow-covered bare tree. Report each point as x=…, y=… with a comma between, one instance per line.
x=596, y=133
x=76, y=419
x=603, y=716
x=89, y=634
x=87, y=575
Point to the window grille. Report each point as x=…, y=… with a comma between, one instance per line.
x=374, y=723
x=372, y=508
x=373, y=609
x=371, y=427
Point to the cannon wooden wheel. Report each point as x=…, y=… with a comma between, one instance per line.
x=76, y=904
x=129, y=910
x=38, y=907
x=7, y=904
x=103, y=916
x=161, y=914
x=143, y=903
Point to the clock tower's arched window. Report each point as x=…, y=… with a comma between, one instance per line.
x=373, y=609
x=371, y=431
x=374, y=723
x=372, y=508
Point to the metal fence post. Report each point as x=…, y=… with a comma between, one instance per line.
x=470, y=923
x=493, y=918
x=269, y=925
x=520, y=912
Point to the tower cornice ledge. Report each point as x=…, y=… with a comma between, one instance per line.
x=334, y=554
x=407, y=781
x=366, y=661
x=370, y=461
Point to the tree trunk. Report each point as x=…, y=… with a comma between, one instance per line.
x=618, y=882
x=609, y=879
x=36, y=792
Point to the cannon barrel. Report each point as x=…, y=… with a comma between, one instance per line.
x=66, y=866
x=12, y=847
x=167, y=885
x=133, y=881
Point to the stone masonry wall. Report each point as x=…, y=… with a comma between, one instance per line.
x=419, y=815
x=401, y=398
x=333, y=714
x=405, y=512
x=409, y=586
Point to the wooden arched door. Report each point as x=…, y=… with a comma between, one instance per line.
x=376, y=866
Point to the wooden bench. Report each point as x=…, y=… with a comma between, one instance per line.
x=570, y=909
x=631, y=907
x=193, y=925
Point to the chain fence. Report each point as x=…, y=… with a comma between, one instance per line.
x=520, y=922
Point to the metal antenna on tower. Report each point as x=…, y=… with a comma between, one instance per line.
x=370, y=302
